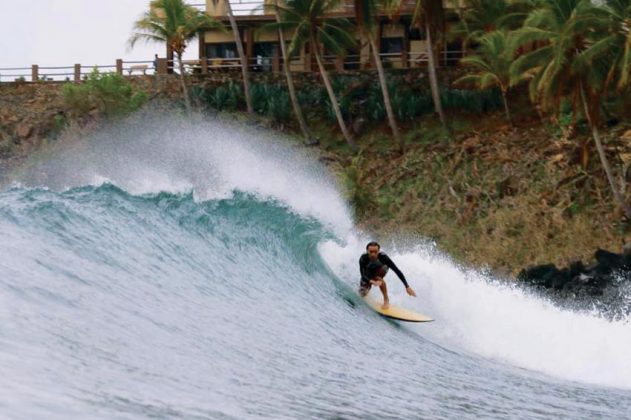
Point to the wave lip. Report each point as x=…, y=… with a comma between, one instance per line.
x=159, y=152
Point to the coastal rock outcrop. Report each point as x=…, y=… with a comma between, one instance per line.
x=578, y=280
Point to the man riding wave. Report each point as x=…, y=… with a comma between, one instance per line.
x=373, y=267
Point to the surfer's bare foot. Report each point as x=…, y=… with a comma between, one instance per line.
x=386, y=305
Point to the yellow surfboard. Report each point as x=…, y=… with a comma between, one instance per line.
x=396, y=312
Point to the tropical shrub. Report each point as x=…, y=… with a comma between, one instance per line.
x=110, y=93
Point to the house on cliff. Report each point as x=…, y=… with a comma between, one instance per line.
x=401, y=44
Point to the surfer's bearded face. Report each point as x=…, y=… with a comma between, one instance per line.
x=373, y=252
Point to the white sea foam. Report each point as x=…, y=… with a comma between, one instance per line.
x=501, y=322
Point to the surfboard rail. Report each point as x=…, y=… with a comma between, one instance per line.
x=397, y=312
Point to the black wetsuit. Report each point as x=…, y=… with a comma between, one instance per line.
x=366, y=275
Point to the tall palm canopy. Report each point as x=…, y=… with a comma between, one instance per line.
x=492, y=60
x=566, y=65
x=479, y=17
x=175, y=23
x=307, y=18
x=614, y=42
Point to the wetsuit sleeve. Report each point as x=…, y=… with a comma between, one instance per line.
x=387, y=261
x=362, y=268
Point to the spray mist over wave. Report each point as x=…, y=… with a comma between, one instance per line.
x=159, y=152
x=214, y=159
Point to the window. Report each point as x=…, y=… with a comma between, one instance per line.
x=416, y=34
x=223, y=50
x=264, y=53
x=391, y=45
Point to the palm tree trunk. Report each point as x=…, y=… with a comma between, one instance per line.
x=506, y=109
x=386, y=95
x=187, y=99
x=244, y=62
x=433, y=79
x=603, y=158
x=332, y=97
x=290, y=84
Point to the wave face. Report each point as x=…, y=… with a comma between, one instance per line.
x=168, y=269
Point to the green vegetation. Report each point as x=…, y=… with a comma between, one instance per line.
x=493, y=61
x=359, y=98
x=310, y=22
x=109, y=93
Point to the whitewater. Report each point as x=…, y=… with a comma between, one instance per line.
x=201, y=268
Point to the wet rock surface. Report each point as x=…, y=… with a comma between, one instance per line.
x=604, y=285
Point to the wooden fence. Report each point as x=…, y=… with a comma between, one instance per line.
x=78, y=72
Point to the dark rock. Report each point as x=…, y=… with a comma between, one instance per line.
x=608, y=262
x=539, y=275
x=576, y=268
x=562, y=278
x=603, y=285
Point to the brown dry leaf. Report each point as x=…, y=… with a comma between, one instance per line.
x=470, y=143
x=626, y=158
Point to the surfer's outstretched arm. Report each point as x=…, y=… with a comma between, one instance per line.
x=387, y=261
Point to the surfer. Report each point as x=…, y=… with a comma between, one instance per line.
x=373, y=267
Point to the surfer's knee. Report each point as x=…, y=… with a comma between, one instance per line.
x=364, y=288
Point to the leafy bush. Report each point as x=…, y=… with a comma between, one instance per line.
x=279, y=107
x=358, y=97
x=477, y=101
x=110, y=93
x=271, y=100
x=226, y=97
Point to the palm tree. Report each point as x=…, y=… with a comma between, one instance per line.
x=614, y=44
x=564, y=66
x=176, y=23
x=242, y=58
x=365, y=14
x=290, y=83
x=479, y=17
x=432, y=14
x=493, y=59
x=308, y=20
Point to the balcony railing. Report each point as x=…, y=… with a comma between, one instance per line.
x=77, y=72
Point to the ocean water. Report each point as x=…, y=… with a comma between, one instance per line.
x=164, y=268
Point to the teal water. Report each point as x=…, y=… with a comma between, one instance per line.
x=140, y=280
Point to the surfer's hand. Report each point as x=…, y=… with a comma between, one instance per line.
x=410, y=291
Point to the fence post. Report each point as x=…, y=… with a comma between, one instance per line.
x=163, y=66
x=405, y=58
x=77, y=72
x=276, y=61
x=339, y=64
x=119, y=66
x=204, y=61
x=34, y=73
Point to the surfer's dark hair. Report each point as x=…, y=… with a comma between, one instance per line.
x=372, y=243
